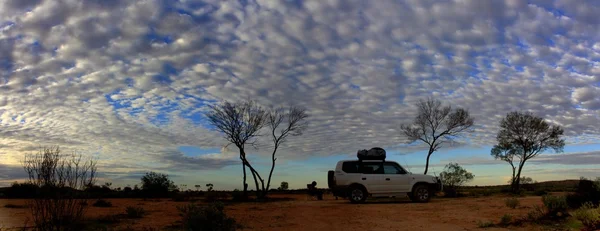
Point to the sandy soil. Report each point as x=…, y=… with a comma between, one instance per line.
x=329, y=214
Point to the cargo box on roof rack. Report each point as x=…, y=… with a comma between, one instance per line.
x=375, y=153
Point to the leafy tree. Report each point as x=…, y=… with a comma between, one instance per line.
x=507, y=153
x=240, y=123
x=157, y=184
x=436, y=124
x=209, y=187
x=294, y=123
x=453, y=176
x=284, y=186
x=526, y=136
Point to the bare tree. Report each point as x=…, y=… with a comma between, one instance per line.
x=60, y=179
x=240, y=123
x=509, y=154
x=527, y=136
x=436, y=124
x=294, y=123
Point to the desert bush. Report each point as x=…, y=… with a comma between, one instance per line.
x=540, y=192
x=485, y=224
x=589, y=216
x=587, y=191
x=237, y=195
x=60, y=180
x=536, y=214
x=180, y=197
x=135, y=212
x=13, y=206
x=505, y=220
x=512, y=202
x=556, y=206
x=213, y=196
x=207, y=217
x=108, y=219
x=157, y=185
x=102, y=203
x=453, y=177
x=487, y=193
x=22, y=190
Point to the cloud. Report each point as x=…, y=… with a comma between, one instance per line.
x=128, y=80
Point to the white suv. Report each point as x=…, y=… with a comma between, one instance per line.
x=359, y=179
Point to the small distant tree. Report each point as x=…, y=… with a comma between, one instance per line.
x=197, y=187
x=284, y=186
x=209, y=187
x=157, y=184
x=435, y=125
x=454, y=176
x=526, y=136
x=59, y=203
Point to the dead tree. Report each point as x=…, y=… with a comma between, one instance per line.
x=240, y=123
x=294, y=123
x=436, y=124
x=60, y=180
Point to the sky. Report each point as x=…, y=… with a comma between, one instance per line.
x=128, y=82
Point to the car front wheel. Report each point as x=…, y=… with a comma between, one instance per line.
x=357, y=195
x=421, y=193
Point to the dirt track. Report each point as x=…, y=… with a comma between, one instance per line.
x=329, y=214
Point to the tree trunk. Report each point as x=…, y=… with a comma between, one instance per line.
x=245, y=193
x=427, y=163
x=517, y=185
x=256, y=177
x=273, y=159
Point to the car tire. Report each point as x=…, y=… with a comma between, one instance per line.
x=357, y=194
x=421, y=193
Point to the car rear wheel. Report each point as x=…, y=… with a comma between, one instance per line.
x=357, y=194
x=421, y=193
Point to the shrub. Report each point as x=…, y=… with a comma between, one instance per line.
x=485, y=224
x=505, y=220
x=108, y=219
x=157, y=184
x=180, y=197
x=59, y=181
x=536, y=214
x=135, y=212
x=556, y=205
x=13, y=206
x=237, y=195
x=487, y=192
x=213, y=196
x=453, y=177
x=512, y=202
x=102, y=203
x=540, y=192
x=208, y=217
x=587, y=191
x=589, y=216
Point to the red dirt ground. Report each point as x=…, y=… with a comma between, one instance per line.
x=329, y=214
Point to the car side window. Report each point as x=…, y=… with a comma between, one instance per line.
x=391, y=168
x=350, y=167
x=371, y=168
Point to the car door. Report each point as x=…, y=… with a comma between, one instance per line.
x=372, y=176
x=395, y=178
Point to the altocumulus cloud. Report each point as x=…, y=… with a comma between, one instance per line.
x=129, y=80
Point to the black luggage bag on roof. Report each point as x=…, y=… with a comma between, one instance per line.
x=375, y=153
